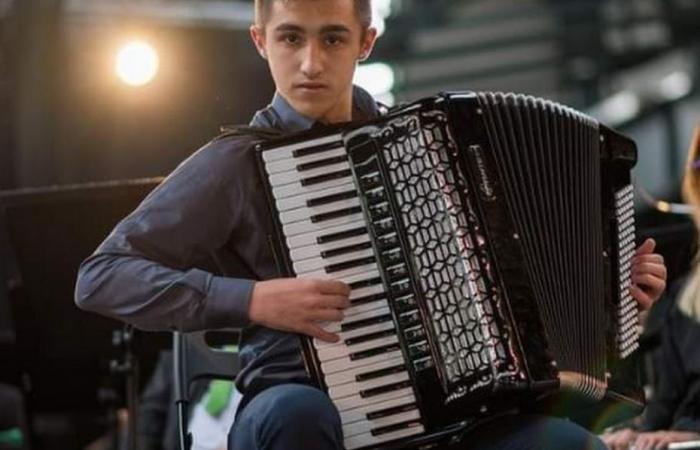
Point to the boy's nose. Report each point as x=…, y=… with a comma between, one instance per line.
x=312, y=62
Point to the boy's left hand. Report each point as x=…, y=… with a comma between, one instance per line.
x=648, y=275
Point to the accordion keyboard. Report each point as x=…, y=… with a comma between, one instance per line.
x=327, y=237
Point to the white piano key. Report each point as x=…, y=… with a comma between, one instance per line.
x=370, y=275
x=293, y=189
x=315, y=250
x=376, y=328
x=366, y=426
x=350, y=375
x=286, y=151
x=348, y=389
x=301, y=200
x=341, y=364
x=294, y=176
x=367, y=439
x=310, y=237
x=355, y=401
x=284, y=165
x=360, y=413
x=341, y=351
x=304, y=213
x=320, y=263
x=335, y=326
x=365, y=291
x=343, y=274
x=353, y=311
x=305, y=226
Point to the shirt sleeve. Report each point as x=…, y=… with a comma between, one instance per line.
x=145, y=271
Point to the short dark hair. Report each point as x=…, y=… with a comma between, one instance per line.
x=363, y=8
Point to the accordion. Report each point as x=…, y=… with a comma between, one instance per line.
x=487, y=239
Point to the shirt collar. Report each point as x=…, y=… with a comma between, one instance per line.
x=280, y=114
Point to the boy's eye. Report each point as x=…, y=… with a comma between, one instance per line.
x=291, y=38
x=333, y=40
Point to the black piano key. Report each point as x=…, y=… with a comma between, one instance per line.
x=369, y=337
x=335, y=214
x=367, y=299
x=339, y=267
x=347, y=326
x=346, y=249
x=341, y=235
x=321, y=163
x=365, y=393
x=391, y=411
x=395, y=427
x=374, y=351
x=380, y=373
x=365, y=283
x=315, y=149
x=331, y=198
x=326, y=177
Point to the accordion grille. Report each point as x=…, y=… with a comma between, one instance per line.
x=449, y=256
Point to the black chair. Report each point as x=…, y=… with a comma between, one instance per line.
x=197, y=356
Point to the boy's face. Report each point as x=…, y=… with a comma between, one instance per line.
x=312, y=47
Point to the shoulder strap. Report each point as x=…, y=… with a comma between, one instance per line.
x=262, y=133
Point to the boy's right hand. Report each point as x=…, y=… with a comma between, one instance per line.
x=299, y=305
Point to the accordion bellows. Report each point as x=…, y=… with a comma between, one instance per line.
x=487, y=239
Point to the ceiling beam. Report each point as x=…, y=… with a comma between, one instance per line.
x=230, y=14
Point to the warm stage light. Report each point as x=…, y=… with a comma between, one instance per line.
x=137, y=63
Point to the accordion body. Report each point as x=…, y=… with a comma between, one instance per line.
x=487, y=239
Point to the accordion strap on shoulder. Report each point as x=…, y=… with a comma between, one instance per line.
x=247, y=130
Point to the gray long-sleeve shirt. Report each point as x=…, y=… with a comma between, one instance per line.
x=188, y=256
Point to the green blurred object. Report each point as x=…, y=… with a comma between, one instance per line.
x=13, y=437
x=220, y=391
x=218, y=397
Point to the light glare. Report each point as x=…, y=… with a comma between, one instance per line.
x=676, y=85
x=137, y=63
x=375, y=78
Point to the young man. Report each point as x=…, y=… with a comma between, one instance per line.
x=152, y=270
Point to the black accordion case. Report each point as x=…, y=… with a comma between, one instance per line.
x=487, y=239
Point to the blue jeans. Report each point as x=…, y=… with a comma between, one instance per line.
x=299, y=417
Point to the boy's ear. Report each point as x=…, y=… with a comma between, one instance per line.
x=370, y=38
x=257, y=35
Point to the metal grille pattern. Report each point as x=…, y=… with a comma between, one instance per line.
x=449, y=256
x=628, y=320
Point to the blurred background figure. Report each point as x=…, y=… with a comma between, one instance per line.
x=673, y=410
x=117, y=93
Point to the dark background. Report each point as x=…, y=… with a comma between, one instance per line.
x=66, y=120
